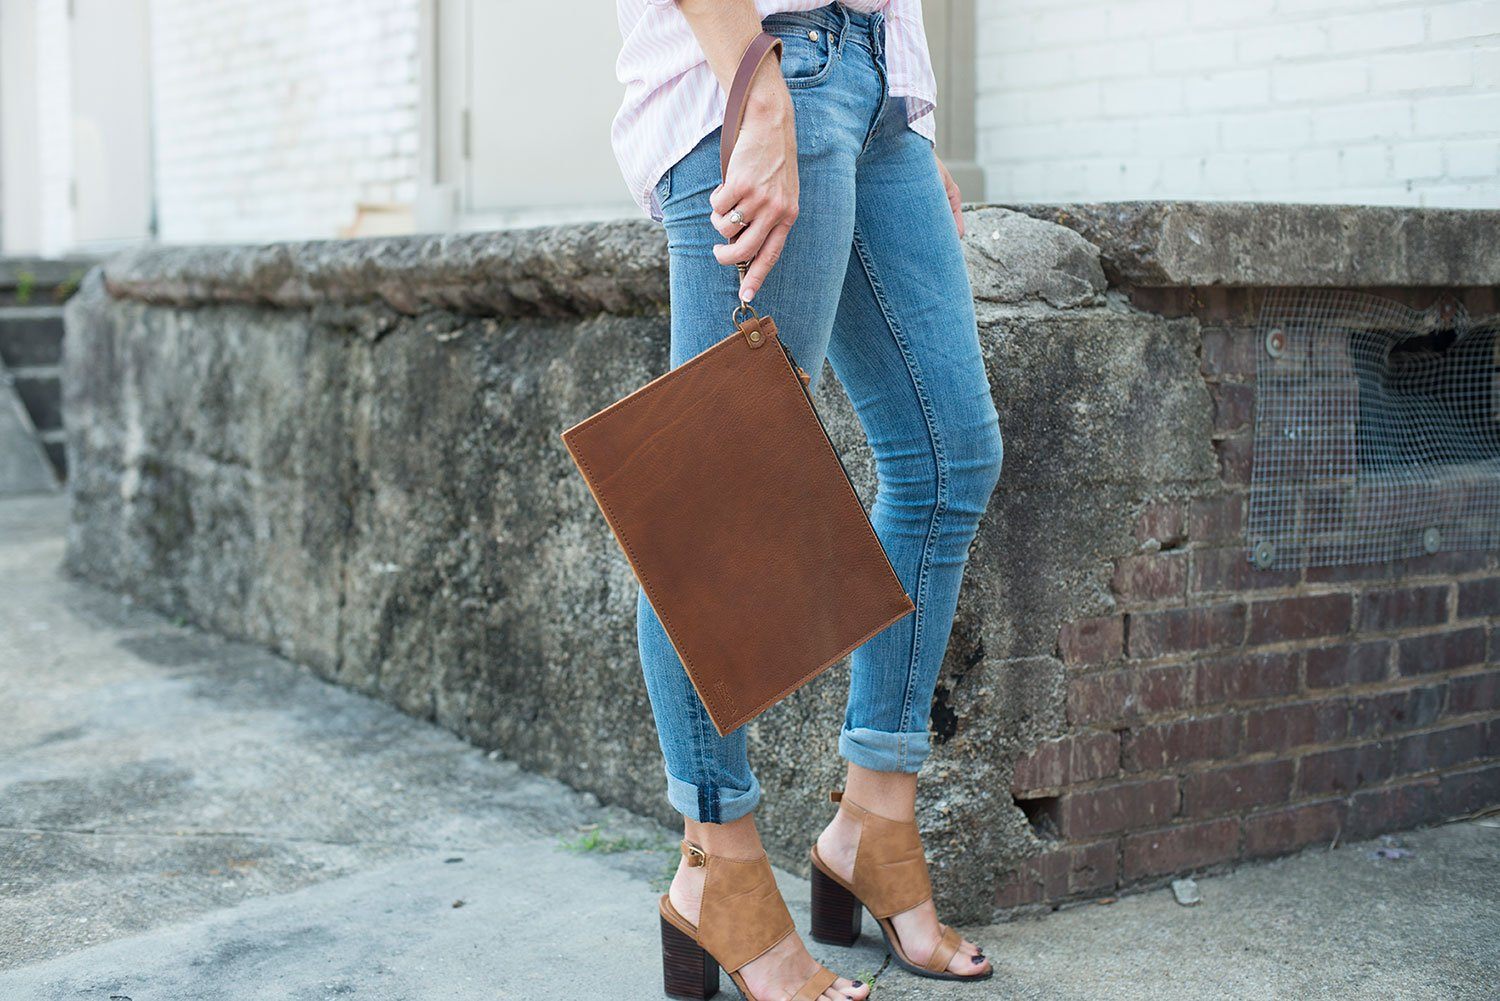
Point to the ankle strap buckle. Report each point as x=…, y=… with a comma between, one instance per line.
x=696, y=857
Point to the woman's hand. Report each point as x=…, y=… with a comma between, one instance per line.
x=761, y=181
x=955, y=199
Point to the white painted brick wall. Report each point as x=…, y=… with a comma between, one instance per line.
x=1381, y=101
x=277, y=118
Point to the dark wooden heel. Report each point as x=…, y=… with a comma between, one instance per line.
x=836, y=913
x=687, y=970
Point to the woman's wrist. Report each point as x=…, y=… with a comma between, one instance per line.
x=723, y=28
x=768, y=99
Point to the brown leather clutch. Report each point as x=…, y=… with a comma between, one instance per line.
x=720, y=484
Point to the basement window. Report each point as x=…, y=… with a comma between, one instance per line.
x=1377, y=431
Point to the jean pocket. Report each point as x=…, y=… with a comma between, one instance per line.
x=806, y=52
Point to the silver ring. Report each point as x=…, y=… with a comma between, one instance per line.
x=737, y=217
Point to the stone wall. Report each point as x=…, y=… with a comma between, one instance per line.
x=1218, y=712
x=349, y=452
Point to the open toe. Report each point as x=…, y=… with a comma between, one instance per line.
x=889, y=877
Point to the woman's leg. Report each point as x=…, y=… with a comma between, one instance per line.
x=905, y=346
x=708, y=777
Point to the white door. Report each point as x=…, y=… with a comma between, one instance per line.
x=525, y=96
x=111, y=123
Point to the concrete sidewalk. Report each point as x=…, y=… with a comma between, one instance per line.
x=183, y=817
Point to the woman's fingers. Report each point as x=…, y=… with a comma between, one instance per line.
x=729, y=228
x=759, y=243
x=746, y=244
x=955, y=197
x=729, y=193
x=765, y=259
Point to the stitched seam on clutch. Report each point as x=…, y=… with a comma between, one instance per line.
x=830, y=662
x=850, y=487
x=687, y=662
x=639, y=395
x=847, y=485
x=640, y=572
x=609, y=513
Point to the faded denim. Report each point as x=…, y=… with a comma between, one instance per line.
x=873, y=279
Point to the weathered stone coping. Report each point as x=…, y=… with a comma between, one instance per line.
x=618, y=267
x=615, y=267
x=1279, y=244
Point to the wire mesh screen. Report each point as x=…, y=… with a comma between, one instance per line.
x=1377, y=431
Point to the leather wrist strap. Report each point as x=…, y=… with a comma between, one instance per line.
x=739, y=93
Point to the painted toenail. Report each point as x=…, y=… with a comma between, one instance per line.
x=858, y=983
x=978, y=959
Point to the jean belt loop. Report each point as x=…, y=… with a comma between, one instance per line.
x=877, y=32
x=843, y=16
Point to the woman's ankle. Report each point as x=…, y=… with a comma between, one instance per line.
x=892, y=795
x=737, y=839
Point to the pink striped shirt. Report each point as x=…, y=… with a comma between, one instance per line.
x=672, y=98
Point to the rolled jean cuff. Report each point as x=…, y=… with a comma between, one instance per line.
x=711, y=805
x=880, y=751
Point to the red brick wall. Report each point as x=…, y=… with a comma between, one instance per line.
x=1224, y=713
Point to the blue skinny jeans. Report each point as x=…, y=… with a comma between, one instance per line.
x=873, y=279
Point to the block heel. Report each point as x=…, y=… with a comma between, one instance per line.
x=837, y=914
x=742, y=917
x=687, y=970
x=890, y=877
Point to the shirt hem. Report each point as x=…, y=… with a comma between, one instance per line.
x=646, y=196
